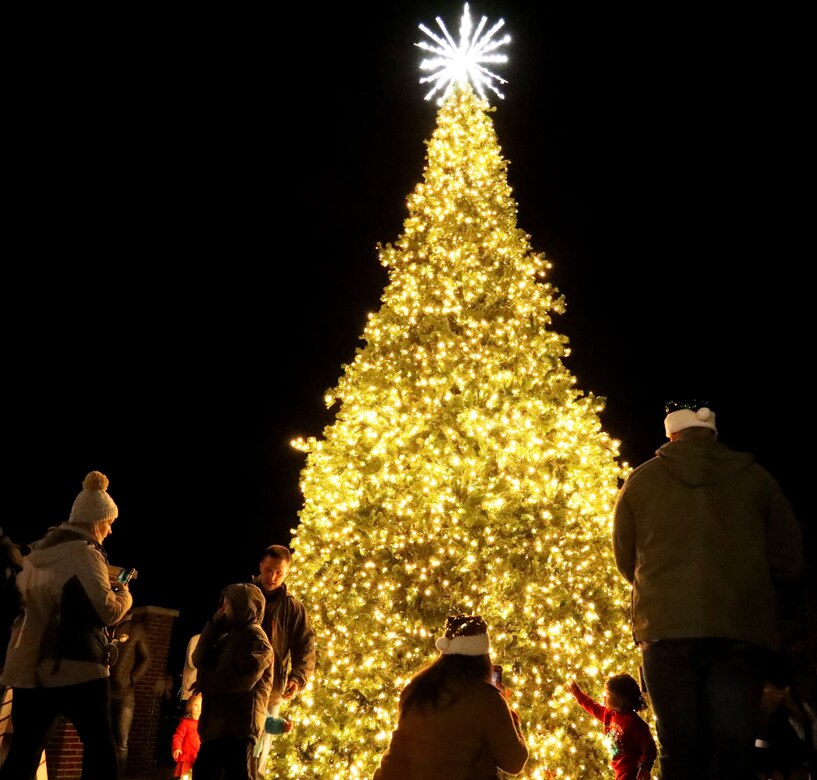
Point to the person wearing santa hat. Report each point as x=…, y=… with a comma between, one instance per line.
x=453, y=722
x=704, y=534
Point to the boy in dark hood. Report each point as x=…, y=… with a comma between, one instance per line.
x=233, y=659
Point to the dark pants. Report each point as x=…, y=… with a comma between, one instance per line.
x=121, y=720
x=229, y=758
x=34, y=712
x=705, y=694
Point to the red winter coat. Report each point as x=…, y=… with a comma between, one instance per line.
x=185, y=738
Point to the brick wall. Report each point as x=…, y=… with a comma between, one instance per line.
x=63, y=754
x=64, y=750
x=151, y=691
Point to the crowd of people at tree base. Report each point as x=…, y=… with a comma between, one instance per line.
x=704, y=535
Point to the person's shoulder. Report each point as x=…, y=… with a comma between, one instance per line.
x=641, y=471
x=63, y=546
x=486, y=699
x=763, y=474
x=642, y=720
x=485, y=693
x=634, y=718
x=257, y=633
x=291, y=597
x=723, y=450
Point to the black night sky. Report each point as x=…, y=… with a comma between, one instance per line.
x=193, y=204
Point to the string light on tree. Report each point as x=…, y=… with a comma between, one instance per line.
x=463, y=63
x=464, y=471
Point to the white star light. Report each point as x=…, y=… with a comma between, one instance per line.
x=461, y=64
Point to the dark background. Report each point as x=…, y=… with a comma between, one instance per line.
x=194, y=199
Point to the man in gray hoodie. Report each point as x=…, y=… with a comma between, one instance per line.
x=704, y=535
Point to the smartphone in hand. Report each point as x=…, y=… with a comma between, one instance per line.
x=124, y=576
x=496, y=675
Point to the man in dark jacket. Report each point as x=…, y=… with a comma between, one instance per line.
x=130, y=662
x=288, y=628
x=705, y=536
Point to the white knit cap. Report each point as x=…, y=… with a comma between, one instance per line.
x=676, y=421
x=464, y=635
x=93, y=504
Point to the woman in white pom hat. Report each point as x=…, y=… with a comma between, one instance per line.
x=453, y=722
x=56, y=661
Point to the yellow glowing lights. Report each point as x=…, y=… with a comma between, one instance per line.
x=463, y=472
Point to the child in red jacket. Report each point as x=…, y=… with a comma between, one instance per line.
x=627, y=736
x=186, y=740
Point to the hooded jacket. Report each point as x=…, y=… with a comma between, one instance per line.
x=233, y=660
x=703, y=533
x=60, y=637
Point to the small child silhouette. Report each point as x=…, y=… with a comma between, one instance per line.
x=627, y=736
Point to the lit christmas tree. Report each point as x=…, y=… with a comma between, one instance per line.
x=464, y=472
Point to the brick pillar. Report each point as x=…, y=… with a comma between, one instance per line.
x=151, y=691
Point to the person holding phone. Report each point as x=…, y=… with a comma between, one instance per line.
x=453, y=720
x=56, y=661
x=496, y=675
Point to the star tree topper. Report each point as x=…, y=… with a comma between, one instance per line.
x=459, y=64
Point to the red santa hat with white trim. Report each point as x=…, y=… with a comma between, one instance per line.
x=464, y=635
x=688, y=414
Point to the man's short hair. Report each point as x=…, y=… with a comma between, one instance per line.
x=277, y=551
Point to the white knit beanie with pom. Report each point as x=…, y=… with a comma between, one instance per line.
x=93, y=504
